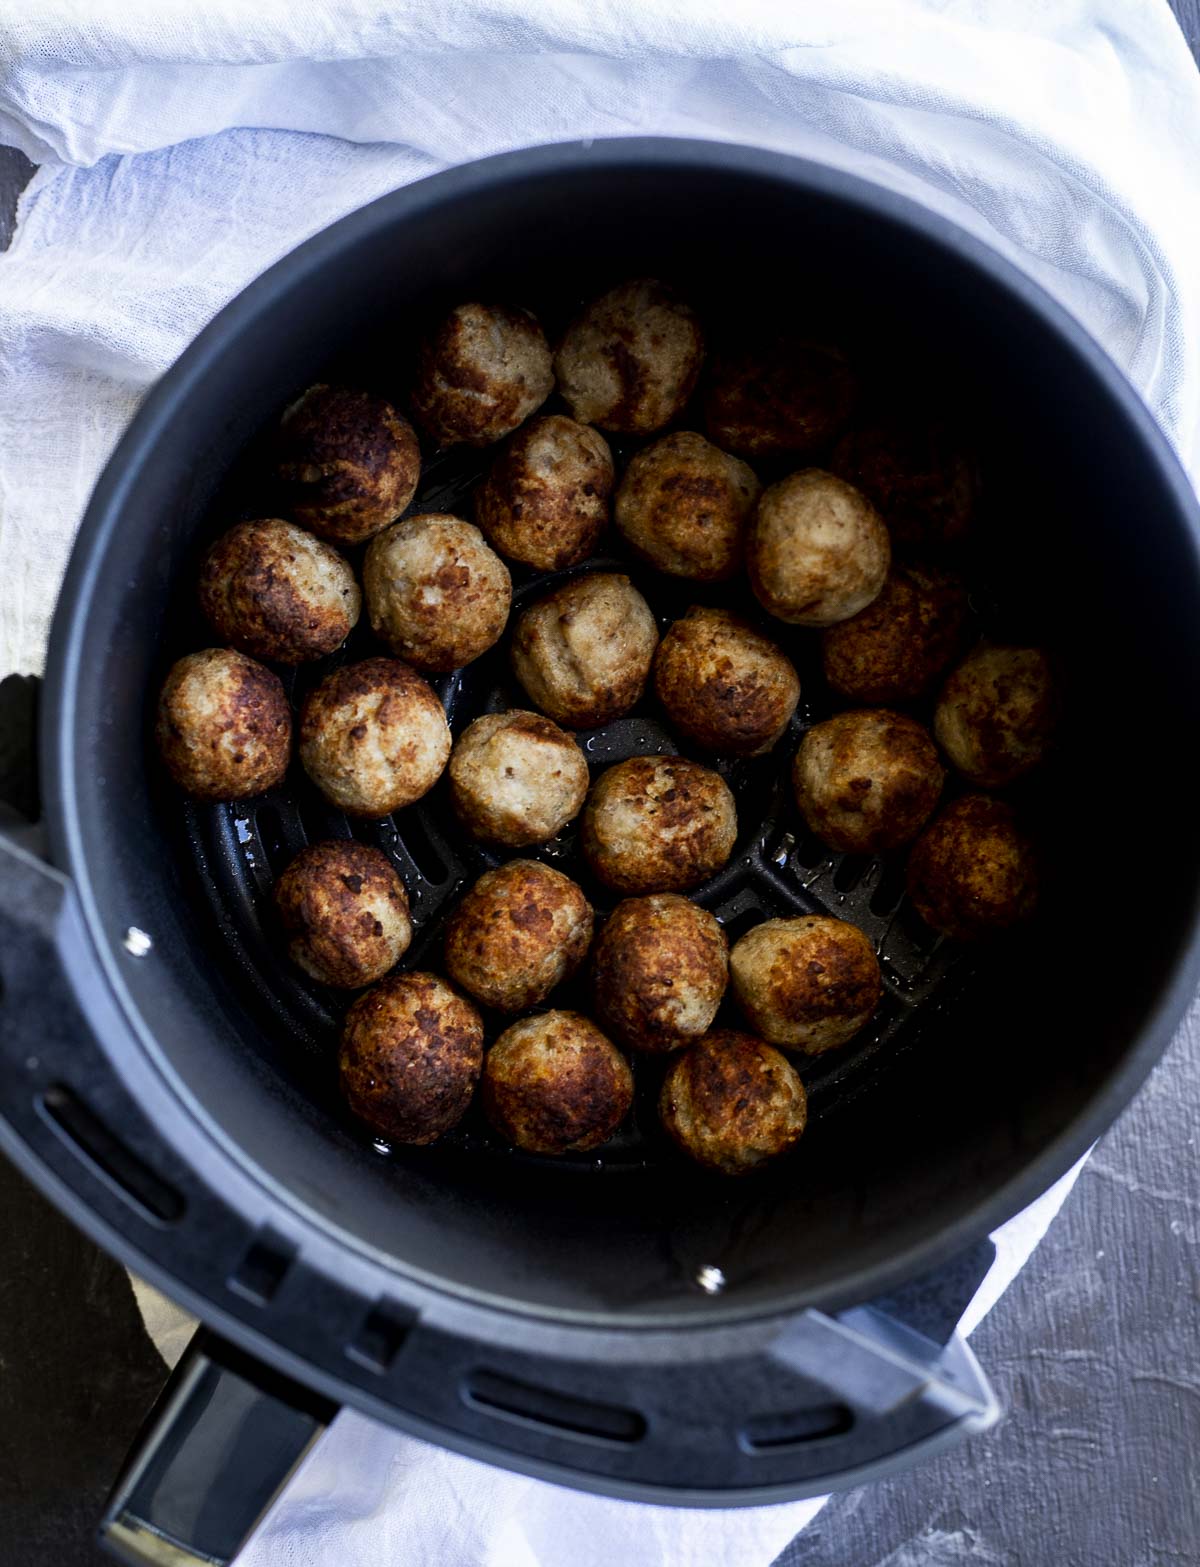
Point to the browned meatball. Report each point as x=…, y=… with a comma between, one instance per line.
x=436, y=594
x=683, y=507
x=483, y=371
x=349, y=461
x=867, y=781
x=810, y=982
x=345, y=912
x=516, y=778
x=659, y=969
x=374, y=737
x=785, y=396
x=520, y=931
x=630, y=360
x=997, y=713
x=723, y=685
x=973, y=871
x=545, y=501
x=410, y=1057
x=817, y=550
x=553, y=1084
x=224, y=726
x=918, y=473
x=583, y=652
x=732, y=1103
x=895, y=649
x=658, y=824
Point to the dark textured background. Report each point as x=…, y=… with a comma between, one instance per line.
x=1095, y=1352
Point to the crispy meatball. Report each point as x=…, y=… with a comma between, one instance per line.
x=373, y=737
x=723, y=685
x=480, y=374
x=919, y=475
x=867, y=781
x=683, y=507
x=345, y=912
x=520, y=931
x=658, y=824
x=553, y=1084
x=224, y=726
x=895, y=649
x=629, y=361
x=410, y=1057
x=809, y=982
x=732, y=1102
x=973, y=871
x=545, y=501
x=516, y=778
x=817, y=550
x=583, y=652
x=659, y=970
x=785, y=396
x=997, y=713
x=436, y=594
x=349, y=462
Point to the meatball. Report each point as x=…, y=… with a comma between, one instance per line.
x=817, y=550
x=659, y=970
x=274, y=591
x=867, y=781
x=516, y=778
x=349, y=462
x=520, y=931
x=224, y=726
x=683, y=507
x=809, y=982
x=917, y=472
x=784, y=396
x=658, y=824
x=410, y=1057
x=583, y=652
x=732, y=1102
x=345, y=912
x=436, y=594
x=723, y=685
x=973, y=871
x=629, y=361
x=483, y=371
x=553, y=1084
x=373, y=737
x=997, y=713
x=545, y=501
x=895, y=649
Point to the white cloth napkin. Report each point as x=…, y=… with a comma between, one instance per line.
x=184, y=147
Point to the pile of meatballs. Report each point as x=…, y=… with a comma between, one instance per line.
x=865, y=550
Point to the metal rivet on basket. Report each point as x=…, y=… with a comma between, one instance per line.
x=710, y=1279
x=136, y=942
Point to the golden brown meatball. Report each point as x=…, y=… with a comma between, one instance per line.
x=410, y=1057
x=723, y=685
x=545, y=501
x=373, y=737
x=349, y=461
x=658, y=824
x=895, y=649
x=785, y=396
x=973, y=871
x=481, y=373
x=553, y=1084
x=520, y=931
x=732, y=1103
x=917, y=473
x=630, y=360
x=583, y=652
x=810, y=983
x=683, y=507
x=997, y=713
x=436, y=594
x=659, y=969
x=345, y=912
x=224, y=726
x=817, y=550
x=516, y=778
x=867, y=781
